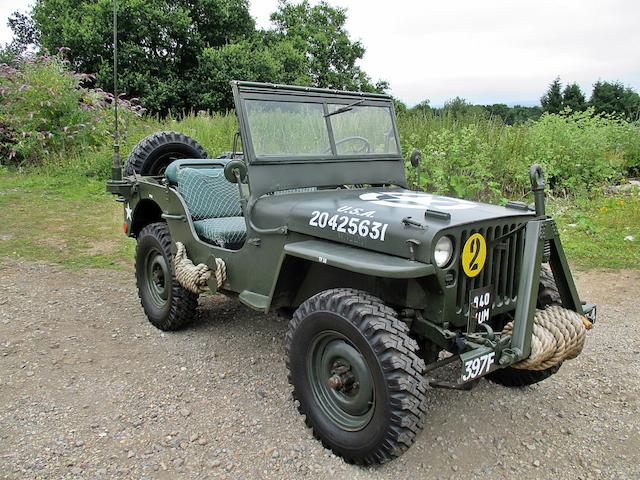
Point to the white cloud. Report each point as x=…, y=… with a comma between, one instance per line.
x=485, y=51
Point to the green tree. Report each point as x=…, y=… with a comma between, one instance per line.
x=552, y=100
x=331, y=56
x=573, y=98
x=25, y=37
x=160, y=42
x=457, y=107
x=614, y=98
x=422, y=108
x=248, y=59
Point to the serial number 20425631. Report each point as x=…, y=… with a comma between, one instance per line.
x=351, y=225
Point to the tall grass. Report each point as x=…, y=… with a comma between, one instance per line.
x=472, y=157
x=481, y=157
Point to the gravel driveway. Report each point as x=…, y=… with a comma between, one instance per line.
x=89, y=389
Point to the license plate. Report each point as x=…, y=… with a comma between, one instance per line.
x=477, y=363
x=480, y=302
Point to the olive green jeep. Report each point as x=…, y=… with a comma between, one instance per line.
x=313, y=219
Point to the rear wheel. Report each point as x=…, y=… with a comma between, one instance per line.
x=167, y=304
x=356, y=374
x=548, y=294
x=154, y=153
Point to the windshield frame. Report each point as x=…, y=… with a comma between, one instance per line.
x=244, y=91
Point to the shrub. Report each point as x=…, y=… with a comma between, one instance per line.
x=46, y=111
x=480, y=157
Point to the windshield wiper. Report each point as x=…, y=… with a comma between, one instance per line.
x=346, y=108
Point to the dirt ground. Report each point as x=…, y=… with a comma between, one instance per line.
x=89, y=389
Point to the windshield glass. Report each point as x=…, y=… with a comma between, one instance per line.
x=363, y=129
x=281, y=129
x=287, y=128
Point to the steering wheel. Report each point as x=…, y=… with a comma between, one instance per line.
x=366, y=146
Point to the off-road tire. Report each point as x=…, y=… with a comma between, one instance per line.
x=548, y=294
x=179, y=308
x=153, y=154
x=399, y=404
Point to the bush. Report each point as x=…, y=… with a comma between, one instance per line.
x=46, y=111
x=480, y=157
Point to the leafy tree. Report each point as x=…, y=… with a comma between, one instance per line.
x=422, y=108
x=520, y=114
x=25, y=37
x=614, y=98
x=278, y=63
x=160, y=41
x=399, y=106
x=179, y=55
x=331, y=56
x=457, y=107
x=552, y=100
x=573, y=98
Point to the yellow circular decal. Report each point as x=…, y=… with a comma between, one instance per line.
x=474, y=255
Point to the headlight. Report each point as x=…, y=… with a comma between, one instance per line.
x=443, y=252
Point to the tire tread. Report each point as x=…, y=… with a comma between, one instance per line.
x=396, y=352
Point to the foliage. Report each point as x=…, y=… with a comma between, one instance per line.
x=552, y=100
x=319, y=32
x=615, y=98
x=459, y=106
x=276, y=63
x=45, y=110
x=481, y=157
x=160, y=42
x=180, y=55
x=573, y=98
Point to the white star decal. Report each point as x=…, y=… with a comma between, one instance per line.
x=128, y=211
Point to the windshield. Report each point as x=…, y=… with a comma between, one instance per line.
x=285, y=129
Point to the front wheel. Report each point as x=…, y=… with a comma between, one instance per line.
x=167, y=304
x=356, y=374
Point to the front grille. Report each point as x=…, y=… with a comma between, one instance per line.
x=501, y=269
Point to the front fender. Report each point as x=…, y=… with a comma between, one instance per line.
x=358, y=260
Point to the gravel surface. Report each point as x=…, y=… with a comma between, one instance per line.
x=89, y=389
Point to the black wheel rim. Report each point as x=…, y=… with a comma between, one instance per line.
x=157, y=278
x=341, y=381
x=163, y=161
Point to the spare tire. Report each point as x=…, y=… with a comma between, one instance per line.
x=154, y=153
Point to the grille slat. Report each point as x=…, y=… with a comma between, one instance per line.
x=501, y=269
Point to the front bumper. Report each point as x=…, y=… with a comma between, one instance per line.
x=484, y=350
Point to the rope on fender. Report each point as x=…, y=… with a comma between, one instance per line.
x=558, y=335
x=194, y=277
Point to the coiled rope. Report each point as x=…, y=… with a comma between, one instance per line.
x=558, y=335
x=195, y=277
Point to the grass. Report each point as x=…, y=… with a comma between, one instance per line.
x=593, y=231
x=73, y=222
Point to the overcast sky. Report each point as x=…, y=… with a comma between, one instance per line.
x=486, y=51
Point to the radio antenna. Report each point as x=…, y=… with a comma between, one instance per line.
x=116, y=164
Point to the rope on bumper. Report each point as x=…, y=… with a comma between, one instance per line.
x=558, y=335
x=195, y=277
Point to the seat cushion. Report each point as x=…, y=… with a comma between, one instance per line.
x=208, y=196
x=223, y=232
x=210, y=166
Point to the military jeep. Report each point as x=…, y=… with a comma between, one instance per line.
x=311, y=216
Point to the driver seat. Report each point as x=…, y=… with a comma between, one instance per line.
x=214, y=205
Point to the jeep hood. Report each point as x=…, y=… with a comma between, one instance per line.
x=373, y=218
